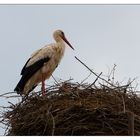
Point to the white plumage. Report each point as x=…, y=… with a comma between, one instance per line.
x=41, y=64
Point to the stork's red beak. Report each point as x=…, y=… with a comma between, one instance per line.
x=64, y=38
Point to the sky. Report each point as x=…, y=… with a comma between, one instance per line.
x=102, y=35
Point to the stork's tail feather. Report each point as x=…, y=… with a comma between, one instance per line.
x=20, y=86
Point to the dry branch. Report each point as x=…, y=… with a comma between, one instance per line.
x=94, y=72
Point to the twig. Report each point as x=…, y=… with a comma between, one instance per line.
x=94, y=81
x=94, y=72
x=85, y=78
x=4, y=107
x=11, y=104
x=110, y=127
x=55, y=80
x=6, y=93
x=112, y=73
x=53, y=122
x=86, y=66
x=12, y=96
x=124, y=110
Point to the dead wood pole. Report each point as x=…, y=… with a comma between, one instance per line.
x=130, y=123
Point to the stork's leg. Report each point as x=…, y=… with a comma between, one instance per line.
x=43, y=85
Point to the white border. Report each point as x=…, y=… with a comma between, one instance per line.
x=69, y=1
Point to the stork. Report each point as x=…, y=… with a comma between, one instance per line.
x=41, y=64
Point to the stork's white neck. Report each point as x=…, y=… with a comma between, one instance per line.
x=60, y=47
x=60, y=44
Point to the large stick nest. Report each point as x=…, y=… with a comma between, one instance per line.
x=76, y=109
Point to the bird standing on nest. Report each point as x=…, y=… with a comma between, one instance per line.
x=41, y=64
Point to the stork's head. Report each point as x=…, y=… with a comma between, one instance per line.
x=59, y=35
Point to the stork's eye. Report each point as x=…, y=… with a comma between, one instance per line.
x=62, y=33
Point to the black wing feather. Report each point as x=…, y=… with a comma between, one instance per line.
x=23, y=69
x=28, y=72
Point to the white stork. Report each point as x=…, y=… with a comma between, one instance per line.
x=41, y=64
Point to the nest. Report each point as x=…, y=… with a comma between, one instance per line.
x=70, y=109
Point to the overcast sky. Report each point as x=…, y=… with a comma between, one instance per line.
x=102, y=35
